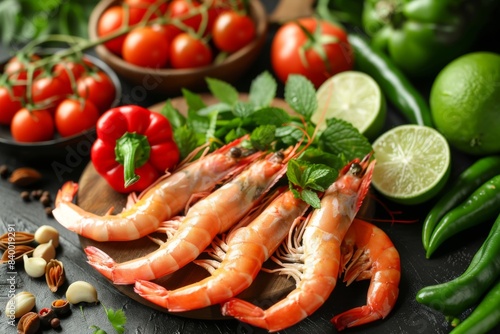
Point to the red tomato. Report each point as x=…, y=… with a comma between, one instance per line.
x=147, y=47
x=74, y=116
x=189, y=12
x=140, y=8
x=47, y=91
x=98, y=88
x=32, y=125
x=232, y=31
x=10, y=102
x=63, y=68
x=290, y=42
x=15, y=68
x=188, y=51
x=112, y=20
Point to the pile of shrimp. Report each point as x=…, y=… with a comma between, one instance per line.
x=243, y=220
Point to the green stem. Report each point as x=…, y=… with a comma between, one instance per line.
x=132, y=151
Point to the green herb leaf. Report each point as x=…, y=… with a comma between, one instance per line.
x=301, y=95
x=340, y=137
x=262, y=90
x=270, y=115
x=311, y=198
x=187, y=140
x=223, y=91
x=263, y=136
x=117, y=319
x=175, y=118
x=243, y=109
x=9, y=10
x=194, y=101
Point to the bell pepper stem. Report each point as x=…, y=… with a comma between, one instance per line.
x=132, y=151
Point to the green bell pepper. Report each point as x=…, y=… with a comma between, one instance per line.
x=422, y=36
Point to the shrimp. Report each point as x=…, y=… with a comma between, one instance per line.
x=208, y=217
x=370, y=254
x=248, y=248
x=321, y=236
x=160, y=202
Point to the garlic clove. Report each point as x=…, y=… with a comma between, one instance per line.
x=45, y=233
x=46, y=251
x=20, y=304
x=81, y=291
x=34, y=266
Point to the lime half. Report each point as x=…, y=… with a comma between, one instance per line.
x=354, y=97
x=413, y=163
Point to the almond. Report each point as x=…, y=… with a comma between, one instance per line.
x=24, y=176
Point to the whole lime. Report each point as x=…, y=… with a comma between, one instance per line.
x=465, y=103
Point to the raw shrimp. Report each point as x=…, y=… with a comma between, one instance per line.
x=160, y=202
x=368, y=253
x=247, y=249
x=210, y=216
x=320, y=252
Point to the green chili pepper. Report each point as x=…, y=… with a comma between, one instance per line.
x=481, y=206
x=484, y=317
x=395, y=85
x=468, y=181
x=454, y=297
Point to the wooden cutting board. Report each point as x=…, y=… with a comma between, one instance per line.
x=96, y=196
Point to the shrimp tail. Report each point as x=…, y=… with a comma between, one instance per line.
x=245, y=311
x=101, y=261
x=152, y=291
x=355, y=317
x=66, y=193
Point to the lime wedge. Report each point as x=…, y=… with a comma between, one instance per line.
x=413, y=163
x=354, y=97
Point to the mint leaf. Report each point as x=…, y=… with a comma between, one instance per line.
x=243, y=109
x=301, y=95
x=290, y=134
x=223, y=91
x=340, y=137
x=317, y=156
x=262, y=137
x=187, y=140
x=194, y=101
x=270, y=115
x=9, y=10
x=311, y=198
x=219, y=107
x=175, y=118
x=262, y=90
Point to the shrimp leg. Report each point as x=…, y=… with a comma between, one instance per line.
x=320, y=252
x=165, y=199
x=370, y=254
x=210, y=216
x=247, y=249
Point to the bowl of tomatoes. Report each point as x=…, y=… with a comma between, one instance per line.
x=49, y=106
x=166, y=46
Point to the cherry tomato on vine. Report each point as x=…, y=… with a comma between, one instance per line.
x=147, y=47
x=232, y=31
x=191, y=13
x=98, y=88
x=32, y=125
x=140, y=8
x=62, y=69
x=110, y=21
x=187, y=51
x=292, y=51
x=10, y=102
x=47, y=91
x=15, y=68
x=74, y=116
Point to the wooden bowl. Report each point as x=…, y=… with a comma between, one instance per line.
x=169, y=81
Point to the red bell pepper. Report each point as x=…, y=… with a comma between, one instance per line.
x=134, y=147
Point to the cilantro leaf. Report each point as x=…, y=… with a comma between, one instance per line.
x=301, y=95
x=262, y=90
x=340, y=137
x=223, y=91
x=117, y=319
